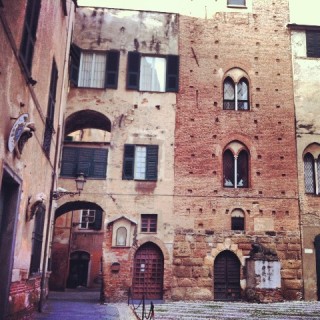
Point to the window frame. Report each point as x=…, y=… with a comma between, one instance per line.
x=242, y=5
x=89, y=161
x=235, y=101
x=233, y=171
x=151, y=162
x=111, y=67
x=314, y=182
x=94, y=225
x=149, y=223
x=134, y=63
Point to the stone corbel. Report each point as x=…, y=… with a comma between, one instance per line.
x=36, y=204
x=25, y=136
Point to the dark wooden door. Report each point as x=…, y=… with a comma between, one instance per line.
x=227, y=277
x=78, y=269
x=148, y=273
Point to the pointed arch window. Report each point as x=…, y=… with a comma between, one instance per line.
x=235, y=168
x=235, y=95
x=309, y=173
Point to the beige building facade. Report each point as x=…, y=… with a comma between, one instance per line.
x=33, y=88
x=305, y=40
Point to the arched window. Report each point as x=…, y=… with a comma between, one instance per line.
x=236, y=90
x=237, y=220
x=121, y=238
x=309, y=173
x=236, y=166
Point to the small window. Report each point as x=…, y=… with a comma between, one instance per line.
x=235, y=166
x=313, y=43
x=94, y=69
x=90, y=161
x=140, y=162
x=236, y=2
x=154, y=74
x=121, y=237
x=148, y=223
x=309, y=173
x=235, y=95
x=237, y=220
x=91, y=219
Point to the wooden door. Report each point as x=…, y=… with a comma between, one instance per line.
x=148, y=273
x=78, y=269
x=227, y=277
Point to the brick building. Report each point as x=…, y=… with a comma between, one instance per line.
x=33, y=87
x=187, y=138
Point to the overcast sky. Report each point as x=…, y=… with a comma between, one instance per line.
x=302, y=11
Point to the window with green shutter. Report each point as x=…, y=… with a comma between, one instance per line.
x=140, y=162
x=91, y=161
x=94, y=69
x=152, y=73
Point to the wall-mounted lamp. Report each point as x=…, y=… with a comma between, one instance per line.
x=60, y=192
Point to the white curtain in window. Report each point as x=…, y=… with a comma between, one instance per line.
x=140, y=162
x=153, y=74
x=92, y=70
x=121, y=236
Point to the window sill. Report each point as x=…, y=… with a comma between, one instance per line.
x=235, y=6
x=120, y=247
x=146, y=232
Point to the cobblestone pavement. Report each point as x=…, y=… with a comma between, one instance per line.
x=85, y=306
x=82, y=305
x=292, y=310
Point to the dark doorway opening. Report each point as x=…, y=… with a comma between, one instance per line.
x=78, y=269
x=148, y=273
x=9, y=203
x=227, y=277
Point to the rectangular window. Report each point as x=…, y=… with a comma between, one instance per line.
x=29, y=34
x=140, y=162
x=149, y=223
x=313, y=44
x=154, y=74
x=87, y=218
x=91, y=161
x=51, y=108
x=94, y=69
x=236, y=2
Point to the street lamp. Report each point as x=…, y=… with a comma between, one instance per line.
x=59, y=193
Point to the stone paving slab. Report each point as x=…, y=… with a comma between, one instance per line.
x=293, y=310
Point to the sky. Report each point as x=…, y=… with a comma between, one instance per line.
x=301, y=11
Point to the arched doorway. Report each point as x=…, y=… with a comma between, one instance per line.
x=148, y=272
x=227, y=276
x=78, y=269
x=317, y=247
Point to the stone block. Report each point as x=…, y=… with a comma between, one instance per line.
x=198, y=294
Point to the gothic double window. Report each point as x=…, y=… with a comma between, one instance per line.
x=235, y=94
x=236, y=166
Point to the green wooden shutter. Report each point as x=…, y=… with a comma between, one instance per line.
x=75, y=54
x=97, y=224
x=313, y=43
x=112, y=69
x=99, y=163
x=152, y=163
x=172, y=81
x=128, y=162
x=133, y=72
x=69, y=162
x=85, y=161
